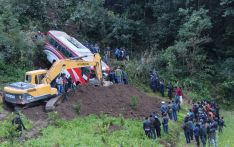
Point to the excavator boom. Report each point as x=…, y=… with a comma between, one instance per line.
x=64, y=64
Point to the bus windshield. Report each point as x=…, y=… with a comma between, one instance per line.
x=76, y=43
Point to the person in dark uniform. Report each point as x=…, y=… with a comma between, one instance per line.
x=18, y=123
x=170, y=111
x=221, y=124
x=162, y=88
x=174, y=110
x=196, y=133
x=153, y=129
x=165, y=121
x=147, y=127
x=186, y=131
x=170, y=90
x=157, y=125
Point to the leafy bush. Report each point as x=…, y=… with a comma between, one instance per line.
x=134, y=102
x=53, y=117
x=77, y=107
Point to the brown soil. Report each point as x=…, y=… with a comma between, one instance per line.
x=113, y=100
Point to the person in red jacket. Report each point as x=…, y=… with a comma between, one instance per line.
x=179, y=93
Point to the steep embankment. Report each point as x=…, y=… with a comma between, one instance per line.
x=113, y=100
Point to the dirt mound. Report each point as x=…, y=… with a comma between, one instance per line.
x=35, y=113
x=113, y=100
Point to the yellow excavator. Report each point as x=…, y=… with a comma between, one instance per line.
x=37, y=85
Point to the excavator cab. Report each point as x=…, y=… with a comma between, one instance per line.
x=35, y=77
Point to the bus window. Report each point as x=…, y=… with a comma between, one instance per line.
x=56, y=44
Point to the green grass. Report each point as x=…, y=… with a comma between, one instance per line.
x=7, y=123
x=92, y=130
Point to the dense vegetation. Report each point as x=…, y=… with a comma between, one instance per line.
x=182, y=39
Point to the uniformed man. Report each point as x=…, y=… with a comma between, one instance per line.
x=157, y=125
x=163, y=108
x=186, y=131
x=165, y=121
x=19, y=123
x=147, y=127
x=170, y=90
x=170, y=111
x=174, y=110
x=203, y=133
x=196, y=132
x=221, y=124
x=162, y=88
x=153, y=128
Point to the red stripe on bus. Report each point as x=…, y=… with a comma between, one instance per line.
x=72, y=75
x=79, y=73
x=55, y=51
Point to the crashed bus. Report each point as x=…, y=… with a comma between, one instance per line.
x=59, y=45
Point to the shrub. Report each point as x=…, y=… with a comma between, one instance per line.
x=53, y=117
x=77, y=107
x=122, y=120
x=134, y=102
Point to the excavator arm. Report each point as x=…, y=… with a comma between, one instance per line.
x=64, y=64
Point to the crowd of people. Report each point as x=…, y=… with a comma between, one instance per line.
x=120, y=53
x=63, y=84
x=157, y=84
x=118, y=76
x=202, y=123
x=153, y=123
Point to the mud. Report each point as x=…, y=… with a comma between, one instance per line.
x=114, y=100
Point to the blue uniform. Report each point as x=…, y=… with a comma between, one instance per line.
x=164, y=109
x=165, y=121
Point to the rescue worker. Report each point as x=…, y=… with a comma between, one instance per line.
x=147, y=127
x=125, y=77
x=112, y=76
x=203, y=133
x=191, y=126
x=106, y=57
x=165, y=121
x=177, y=101
x=19, y=123
x=212, y=131
x=65, y=85
x=59, y=83
x=170, y=90
x=170, y=111
x=153, y=128
x=164, y=108
x=162, y=88
x=118, y=75
x=186, y=131
x=108, y=50
x=196, y=132
x=221, y=124
x=153, y=81
x=174, y=111
x=157, y=125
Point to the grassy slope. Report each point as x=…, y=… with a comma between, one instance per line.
x=91, y=131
